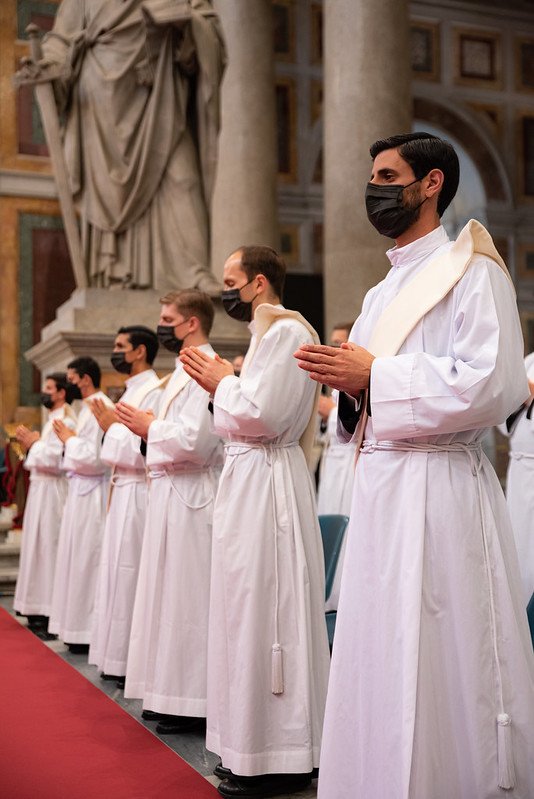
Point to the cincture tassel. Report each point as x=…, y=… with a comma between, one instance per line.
x=504, y=752
x=277, y=670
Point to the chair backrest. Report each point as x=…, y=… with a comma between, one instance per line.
x=530, y=615
x=333, y=528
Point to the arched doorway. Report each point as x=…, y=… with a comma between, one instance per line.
x=470, y=201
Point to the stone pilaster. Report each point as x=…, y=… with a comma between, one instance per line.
x=244, y=203
x=366, y=97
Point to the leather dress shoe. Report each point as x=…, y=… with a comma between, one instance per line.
x=37, y=622
x=121, y=682
x=44, y=635
x=177, y=724
x=110, y=677
x=78, y=649
x=151, y=715
x=263, y=785
x=221, y=772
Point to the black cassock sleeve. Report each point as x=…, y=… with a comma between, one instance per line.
x=349, y=410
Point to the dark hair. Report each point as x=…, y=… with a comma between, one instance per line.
x=423, y=152
x=138, y=334
x=84, y=365
x=192, y=302
x=259, y=259
x=62, y=384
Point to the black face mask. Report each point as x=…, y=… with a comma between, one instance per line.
x=73, y=393
x=167, y=339
x=120, y=364
x=386, y=211
x=235, y=306
x=47, y=401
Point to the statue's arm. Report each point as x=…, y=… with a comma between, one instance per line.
x=56, y=47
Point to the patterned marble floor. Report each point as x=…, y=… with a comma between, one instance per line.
x=189, y=746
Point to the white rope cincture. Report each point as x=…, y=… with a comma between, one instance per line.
x=169, y=472
x=505, y=760
x=518, y=456
x=277, y=658
x=277, y=654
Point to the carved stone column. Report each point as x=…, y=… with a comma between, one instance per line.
x=366, y=97
x=244, y=202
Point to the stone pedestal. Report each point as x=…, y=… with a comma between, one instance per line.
x=366, y=97
x=87, y=324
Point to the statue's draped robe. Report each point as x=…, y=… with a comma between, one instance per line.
x=142, y=117
x=412, y=700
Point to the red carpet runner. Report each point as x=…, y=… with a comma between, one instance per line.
x=62, y=738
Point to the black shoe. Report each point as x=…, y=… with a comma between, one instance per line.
x=180, y=724
x=121, y=682
x=151, y=715
x=264, y=785
x=78, y=649
x=110, y=677
x=221, y=772
x=44, y=635
x=37, y=622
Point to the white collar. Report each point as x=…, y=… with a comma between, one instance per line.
x=418, y=249
x=139, y=379
x=58, y=413
x=202, y=347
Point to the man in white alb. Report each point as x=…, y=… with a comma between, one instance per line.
x=268, y=650
x=520, y=481
x=432, y=684
x=134, y=352
x=44, y=506
x=336, y=471
x=168, y=645
x=82, y=525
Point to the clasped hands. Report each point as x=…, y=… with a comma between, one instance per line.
x=62, y=431
x=206, y=371
x=135, y=419
x=104, y=414
x=346, y=368
x=26, y=437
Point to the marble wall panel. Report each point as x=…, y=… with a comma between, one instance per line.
x=33, y=277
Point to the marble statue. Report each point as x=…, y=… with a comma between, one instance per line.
x=137, y=87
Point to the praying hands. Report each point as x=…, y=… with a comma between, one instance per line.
x=346, y=368
x=135, y=420
x=62, y=431
x=207, y=372
x=104, y=415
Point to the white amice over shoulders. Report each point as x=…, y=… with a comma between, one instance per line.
x=46, y=454
x=272, y=401
x=121, y=447
x=455, y=372
x=184, y=438
x=82, y=451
